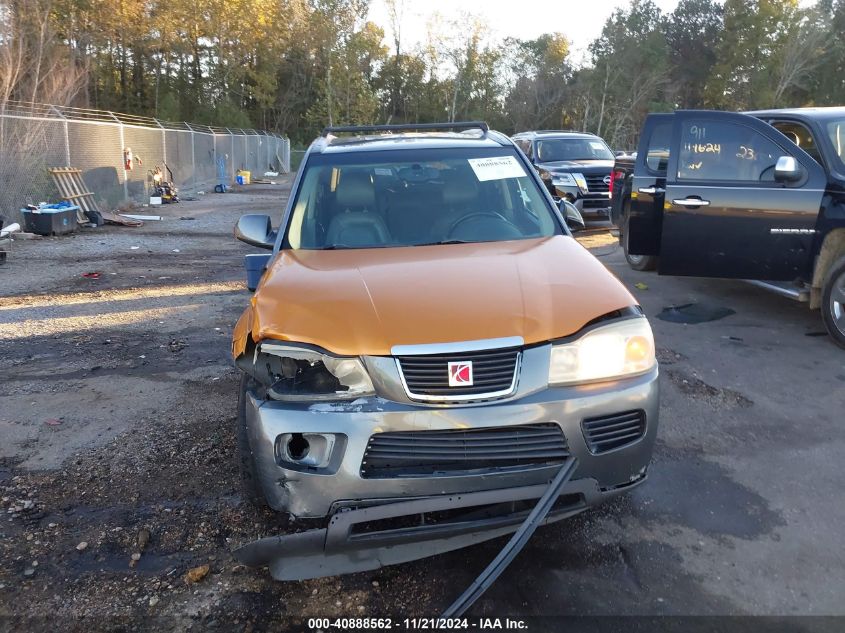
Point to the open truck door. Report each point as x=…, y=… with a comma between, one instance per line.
x=642, y=218
x=741, y=200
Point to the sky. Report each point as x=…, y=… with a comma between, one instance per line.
x=580, y=21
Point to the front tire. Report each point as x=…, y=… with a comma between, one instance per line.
x=246, y=464
x=833, y=302
x=637, y=262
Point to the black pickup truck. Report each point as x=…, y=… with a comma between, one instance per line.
x=757, y=196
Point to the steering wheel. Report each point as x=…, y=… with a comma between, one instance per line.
x=482, y=214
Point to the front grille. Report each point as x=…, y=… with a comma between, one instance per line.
x=432, y=453
x=597, y=183
x=427, y=377
x=613, y=431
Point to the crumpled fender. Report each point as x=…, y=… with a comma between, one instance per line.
x=242, y=332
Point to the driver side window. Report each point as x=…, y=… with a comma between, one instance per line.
x=723, y=151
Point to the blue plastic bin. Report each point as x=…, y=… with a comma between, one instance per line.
x=50, y=220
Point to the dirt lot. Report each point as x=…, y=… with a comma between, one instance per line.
x=117, y=404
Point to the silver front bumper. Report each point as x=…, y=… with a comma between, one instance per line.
x=318, y=491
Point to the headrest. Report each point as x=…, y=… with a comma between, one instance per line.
x=355, y=189
x=457, y=190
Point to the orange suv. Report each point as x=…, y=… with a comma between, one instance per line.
x=426, y=347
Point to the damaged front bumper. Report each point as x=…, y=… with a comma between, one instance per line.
x=358, y=540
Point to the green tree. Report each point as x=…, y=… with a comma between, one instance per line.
x=693, y=32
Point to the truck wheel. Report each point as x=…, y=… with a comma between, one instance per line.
x=246, y=464
x=833, y=302
x=637, y=262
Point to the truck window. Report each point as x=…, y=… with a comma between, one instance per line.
x=723, y=151
x=657, y=155
x=799, y=135
x=836, y=131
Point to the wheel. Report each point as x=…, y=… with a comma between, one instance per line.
x=246, y=464
x=637, y=262
x=833, y=302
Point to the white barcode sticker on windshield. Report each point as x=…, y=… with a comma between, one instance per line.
x=496, y=168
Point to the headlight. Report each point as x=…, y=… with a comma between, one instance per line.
x=612, y=351
x=300, y=373
x=563, y=180
x=581, y=182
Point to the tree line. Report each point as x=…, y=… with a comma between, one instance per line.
x=294, y=66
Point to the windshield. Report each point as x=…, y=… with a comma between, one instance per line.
x=411, y=198
x=836, y=131
x=555, y=149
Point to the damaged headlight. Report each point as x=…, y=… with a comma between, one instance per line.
x=290, y=372
x=563, y=180
x=617, y=350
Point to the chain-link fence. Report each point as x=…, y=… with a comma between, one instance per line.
x=118, y=154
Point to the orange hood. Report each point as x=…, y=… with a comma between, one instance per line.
x=356, y=302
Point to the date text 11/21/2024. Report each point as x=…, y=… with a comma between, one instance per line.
x=416, y=624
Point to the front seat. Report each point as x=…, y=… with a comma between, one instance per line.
x=356, y=222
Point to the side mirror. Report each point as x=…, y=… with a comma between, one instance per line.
x=573, y=217
x=256, y=230
x=787, y=169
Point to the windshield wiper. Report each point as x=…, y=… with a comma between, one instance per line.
x=441, y=242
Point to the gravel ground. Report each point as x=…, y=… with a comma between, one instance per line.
x=118, y=483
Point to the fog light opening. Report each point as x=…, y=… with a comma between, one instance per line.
x=298, y=447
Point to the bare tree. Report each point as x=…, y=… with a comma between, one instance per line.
x=34, y=68
x=802, y=55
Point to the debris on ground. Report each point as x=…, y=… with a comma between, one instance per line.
x=641, y=286
x=176, y=345
x=133, y=216
x=82, y=546
x=8, y=230
x=196, y=574
x=143, y=539
x=694, y=313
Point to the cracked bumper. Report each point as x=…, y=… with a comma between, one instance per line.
x=320, y=491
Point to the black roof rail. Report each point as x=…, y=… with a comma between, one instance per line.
x=407, y=127
x=552, y=132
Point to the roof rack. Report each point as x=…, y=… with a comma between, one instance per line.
x=408, y=127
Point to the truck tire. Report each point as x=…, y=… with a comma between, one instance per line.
x=833, y=302
x=246, y=464
x=637, y=262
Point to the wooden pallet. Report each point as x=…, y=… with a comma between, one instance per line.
x=72, y=188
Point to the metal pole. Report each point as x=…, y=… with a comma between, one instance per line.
x=232, y=157
x=193, y=161
x=67, y=134
x=163, y=141
x=123, y=162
